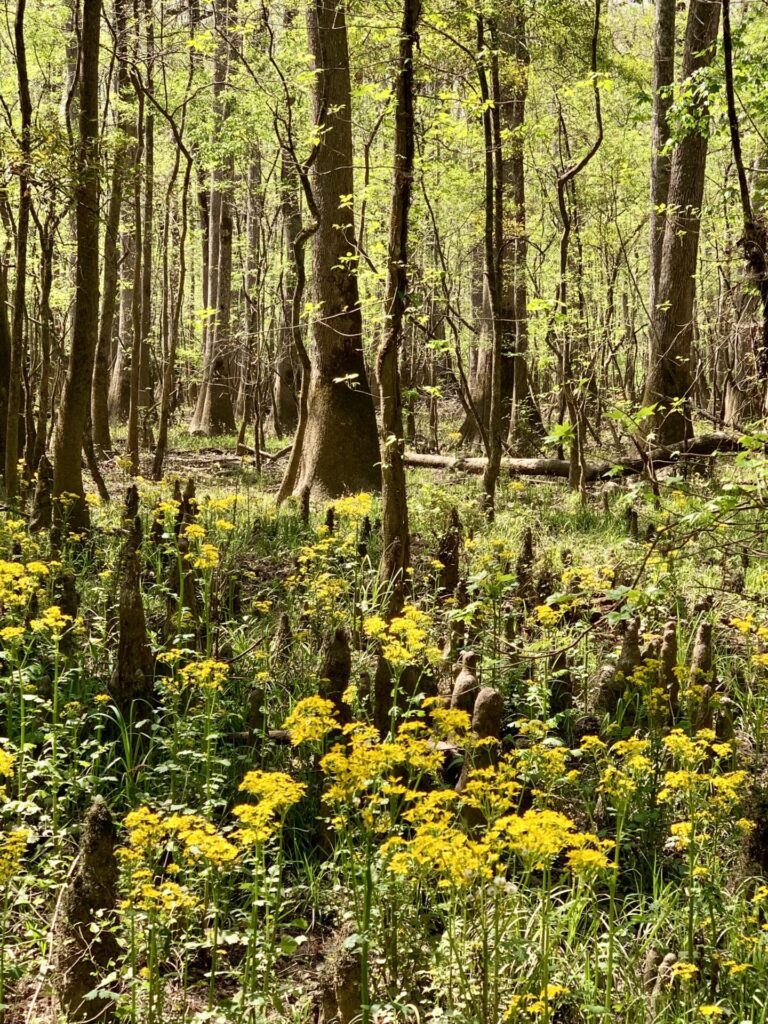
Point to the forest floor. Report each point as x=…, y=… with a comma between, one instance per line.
x=539, y=793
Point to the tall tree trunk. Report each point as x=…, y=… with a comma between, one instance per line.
x=5, y=352
x=122, y=158
x=68, y=477
x=47, y=240
x=340, y=450
x=214, y=412
x=523, y=413
x=137, y=320
x=118, y=399
x=573, y=397
x=494, y=189
x=22, y=235
x=147, y=228
x=287, y=376
x=669, y=379
x=754, y=240
x=395, y=556
x=661, y=163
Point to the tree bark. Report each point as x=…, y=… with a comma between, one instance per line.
x=122, y=158
x=214, y=412
x=287, y=375
x=663, y=79
x=754, y=240
x=340, y=449
x=395, y=557
x=669, y=378
x=22, y=235
x=68, y=477
x=494, y=189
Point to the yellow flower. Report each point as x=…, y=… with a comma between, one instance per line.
x=52, y=621
x=745, y=625
x=536, y=837
x=547, y=615
x=451, y=723
x=311, y=720
x=167, y=897
x=585, y=862
x=10, y=634
x=207, y=674
x=12, y=847
x=356, y=506
x=403, y=638
x=710, y=1011
x=684, y=970
x=7, y=761
x=208, y=557
x=276, y=787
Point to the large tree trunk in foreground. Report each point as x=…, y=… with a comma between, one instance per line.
x=669, y=381
x=395, y=556
x=68, y=476
x=340, y=450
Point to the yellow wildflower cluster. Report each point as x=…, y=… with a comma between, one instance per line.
x=277, y=793
x=404, y=638
x=311, y=720
x=587, y=578
x=535, y=1004
x=207, y=675
x=450, y=724
x=52, y=621
x=492, y=790
x=548, y=615
x=201, y=839
x=18, y=583
x=149, y=833
x=355, y=506
x=365, y=762
x=7, y=762
x=536, y=837
x=208, y=557
x=684, y=971
x=620, y=779
x=12, y=847
x=11, y=634
x=158, y=897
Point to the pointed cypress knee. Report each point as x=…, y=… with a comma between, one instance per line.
x=133, y=677
x=84, y=946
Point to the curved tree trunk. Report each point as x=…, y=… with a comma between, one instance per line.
x=340, y=450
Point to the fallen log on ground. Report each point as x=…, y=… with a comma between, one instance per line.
x=706, y=444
